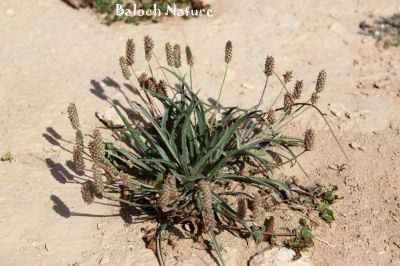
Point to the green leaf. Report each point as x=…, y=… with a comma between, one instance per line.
x=132, y=131
x=216, y=247
x=328, y=195
x=161, y=133
x=325, y=213
x=275, y=184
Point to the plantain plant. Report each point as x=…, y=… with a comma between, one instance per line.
x=182, y=160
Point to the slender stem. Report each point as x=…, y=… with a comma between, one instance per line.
x=148, y=102
x=162, y=70
x=191, y=78
x=151, y=70
x=219, y=96
x=134, y=86
x=179, y=72
x=289, y=117
x=262, y=94
x=327, y=123
x=280, y=93
x=277, y=98
x=256, y=107
x=153, y=107
x=222, y=86
x=280, y=80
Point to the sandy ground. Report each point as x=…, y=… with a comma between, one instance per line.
x=51, y=55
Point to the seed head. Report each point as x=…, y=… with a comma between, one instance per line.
x=78, y=160
x=73, y=115
x=309, y=139
x=123, y=63
x=124, y=178
x=208, y=218
x=189, y=56
x=228, y=52
x=110, y=174
x=298, y=88
x=87, y=191
x=287, y=76
x=269, y=66
x=161, y=87
x=96, y=146
x=288, y=103
x=258, y=210
x=130, y=52
x=142, y=79
x=241, y=207
x=170, y=54
x=151, y=84
x=148, y=47
x=314, y=98
x=91, y=148
x=98, y=179
x=271, y=117
x=321, y=80
x=168, y=193
x=79, y=140
x=206, y=199
x=177, y=56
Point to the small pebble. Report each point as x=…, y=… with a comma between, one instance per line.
x=10, y=12
x=100, y=225
x=356, y=146
x=247, y=86
x=105, y=260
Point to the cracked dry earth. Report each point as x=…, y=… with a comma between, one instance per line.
x=51, y=55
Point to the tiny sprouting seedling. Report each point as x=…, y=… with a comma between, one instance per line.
x=184, y=160
x=302, y=238
x=325, y=213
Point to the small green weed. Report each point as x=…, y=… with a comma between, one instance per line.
x=8, y=156
x=385, y=30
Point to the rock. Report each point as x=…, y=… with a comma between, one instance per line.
x=10, y=12
x=104, y=260
x=342, y=32
x=352, y=115
x=381, y=84
x=111, y=118
x=337, y=109
x=247, y=86
x=278, y=257
x=101, y=226
x=356, y=146
x=289, y=22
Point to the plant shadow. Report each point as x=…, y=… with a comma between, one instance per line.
x=64, y=211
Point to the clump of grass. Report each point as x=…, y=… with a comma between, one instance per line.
x=107, y=9
x=184, y=158
x=386, y=30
